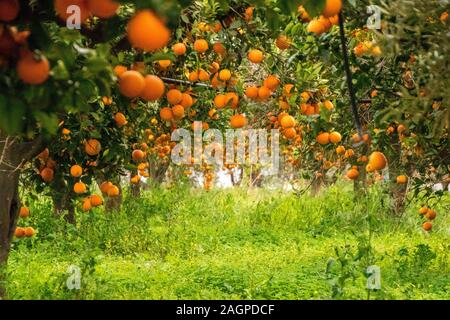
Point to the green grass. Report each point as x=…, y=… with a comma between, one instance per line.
x=234, y=244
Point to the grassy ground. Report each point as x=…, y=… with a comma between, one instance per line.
x=235, y=244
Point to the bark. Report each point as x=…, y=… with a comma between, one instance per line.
x=316, y=185
x=63, y=206
x=14, y=154
x=158, y=173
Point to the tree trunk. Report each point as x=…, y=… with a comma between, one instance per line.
x=14, y=154
x=158, y=172
x=63, y=206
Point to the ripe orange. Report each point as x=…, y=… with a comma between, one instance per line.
x=179, y=49
x=47, y=174
x=105, y=186
x=238, y=121
x=19, y=232
x=335, y=137
x=146, y=31
x=76, y=171
x=427, y=226
x=31, y=70
x=113, y=191
x=232, y=99
x=272, y=82
x=288, y=122
x=431, y=214
x=103, y=8
x=349, y=153
x=203, y=75
x=96, y=200
x=323, y=138
x=214, y=67
x=138, y=155
x=287, y=90
x=79, y=188
x=153, y=88
x=353, y=174
x=92, y=147
x=24, y=212
x=377, y=160
x=340, y=150
x=166, y=114
x=131, y=84
x=283, y=105
x=251, y=92
x=255, y=56
x=9, y=10
x=187, y=101
x=174, y=96
x=201, y=45
x=315, y=26
x=225, y=75
x=120, y=119
x=334, y=20
x=328, y=104
x=264, y=93
x=283, y=42
x=119, y=70
x=220, y=101
x=402, y=179
x=423, y=210
x=43, y=156
x=289, y=133
x=61, y=7
x=178, y=112
x=220, y=49
x=164, y=64
x=193, y=76
x=29, y=232
x=87, y=205
x=332, y=8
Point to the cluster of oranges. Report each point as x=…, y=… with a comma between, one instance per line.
x=47, y=166
x=22, y=232
x=180, y=103
x=326, y=20
x=367, y=48
x=162, y=146
x=264, y=92
x=428, y=214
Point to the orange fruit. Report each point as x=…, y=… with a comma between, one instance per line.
x=264, y=93
x=335, y=137
x=174, y=96
x=287, y=90
x=79, y=188
x=103, y=8
x=153, y=88
x=47, y=175
x=92, y=147
x=24, y=212
x=166, y=114
x=427, y=226
x=87, y=205
x=96, y=200
x=238, y=121
x=431, y=214
x=255, y=56
x=377, y=160
x=249, y=14
x=402, y=179
x=43, y=156
x=201, y=45
x=349, y=153
x=19, y=232
x=325, y=23
x=138, y=155
x=225, y=75
x=29, y=232
x=187, y=101
x=334, y=20
x=332, y=8
x=214, y=67
x=340, y=150
x=423, y=210
x=220, y=49
x=251, y=92
x=220, y=101
x=119, y=70
x=323, y=138
x=61, y=7
x=203, y=75
x=283, y=105
x=178, y=112
x=288, y=122
x=283, y=42
x=76, y=171
x=9, y=10
x=113, y=191
x=31, y=70
x=193, y=76
x=146, y=31
x=353, y=174
x=120, y=119
x=328, y=105
x=289, y=133
x=105, y=186
x=164, y=64
x=272, y=82
x=315, y=26
x=232, y=99
x=131, y=84
x=179, y=49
